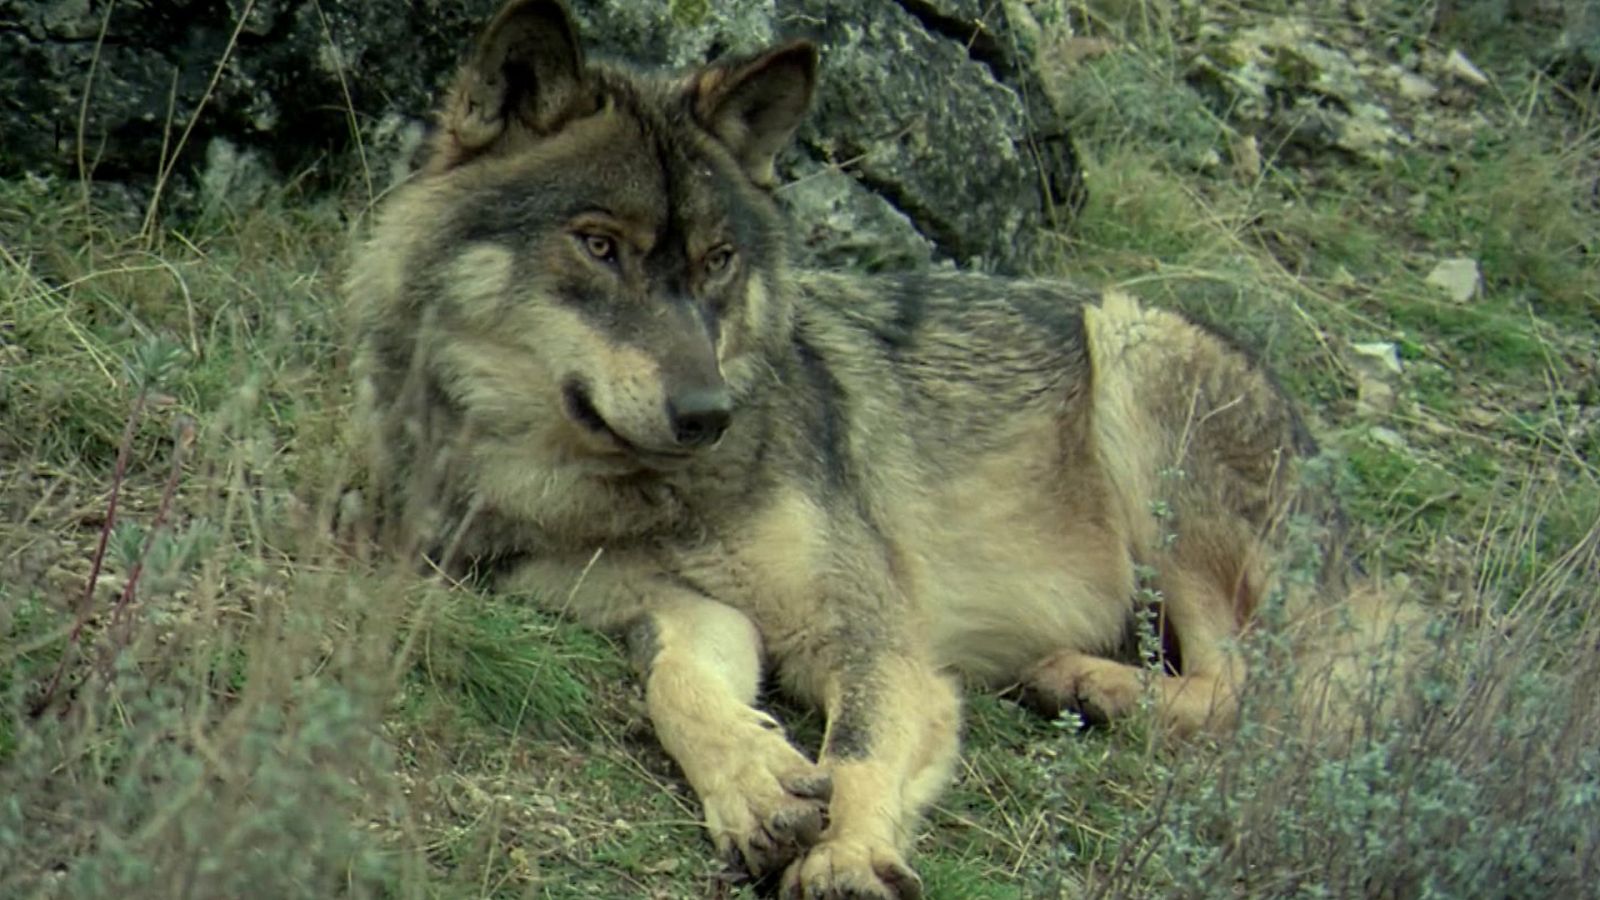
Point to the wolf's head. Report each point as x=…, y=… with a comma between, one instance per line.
x=592, y=255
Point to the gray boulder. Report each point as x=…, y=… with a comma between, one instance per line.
x=930, y=138
x=1580, y=43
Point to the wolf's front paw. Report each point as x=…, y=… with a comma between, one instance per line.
x=771, y=805
x=841, y=869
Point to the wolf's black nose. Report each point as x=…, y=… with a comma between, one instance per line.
x=700, y=416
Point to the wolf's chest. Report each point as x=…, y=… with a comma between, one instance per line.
x=771, y=563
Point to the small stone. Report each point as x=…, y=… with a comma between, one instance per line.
x=1246, y=154
x=1414, y=87
x=1457, y=277
x=1374, y=396
x=1077, y=50
x=1375, y=365
x=1388, y=437
x=1385, y=353
x=1458, y=65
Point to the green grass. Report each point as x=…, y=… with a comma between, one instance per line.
x=275, y=715
x=511, y=668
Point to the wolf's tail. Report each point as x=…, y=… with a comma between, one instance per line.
x=1352, y=663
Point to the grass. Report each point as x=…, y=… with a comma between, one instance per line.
x=270, y=716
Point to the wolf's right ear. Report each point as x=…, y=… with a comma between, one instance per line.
x=755, y=105
x=526, y=71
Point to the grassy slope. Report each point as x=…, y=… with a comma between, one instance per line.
x=269, y=719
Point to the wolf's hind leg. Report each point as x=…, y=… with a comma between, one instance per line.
x=764, y=801
x=1204, y=695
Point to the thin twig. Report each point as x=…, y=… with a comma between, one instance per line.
x=146, y=229
x=86, y=604
x=349, y=104
x=83, y=105
x=119, y=616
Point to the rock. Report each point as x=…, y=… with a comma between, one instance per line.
x=232, y=179
x=1458, y=65
x=1284, y=84
x=1384, y=354
x=1376, y=366
x=1578, y=54
x=1414, y=87
x=942, y=136
x=1374, y=397
x=850, y=225
x=1122, y=92
x=1457, y=277
x=1387, y=437
x=1245, y=152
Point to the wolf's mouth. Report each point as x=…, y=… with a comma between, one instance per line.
x=581, y=409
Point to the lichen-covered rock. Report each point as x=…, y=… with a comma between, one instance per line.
x=838, y=219
x=1580, y=43
x=932, y=136
x=1295, y=92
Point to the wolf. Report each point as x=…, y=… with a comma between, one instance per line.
x=587, y=369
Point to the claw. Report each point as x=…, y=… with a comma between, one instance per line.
x=842, y=870
x=811, y=785
x=906, y=884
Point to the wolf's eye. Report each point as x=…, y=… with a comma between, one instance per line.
x=718, y=260
x=600, y=247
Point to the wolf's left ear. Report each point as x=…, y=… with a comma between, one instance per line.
x=754, y=105
x=526, y=71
